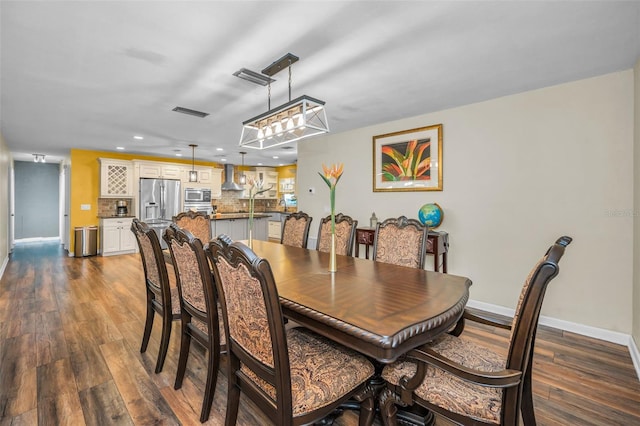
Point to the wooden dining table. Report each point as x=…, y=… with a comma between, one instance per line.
x=378, y=309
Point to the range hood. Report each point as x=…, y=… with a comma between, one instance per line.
x=229, y=184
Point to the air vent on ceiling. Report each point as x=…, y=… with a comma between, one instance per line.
x=253, y=77
x=190, y=112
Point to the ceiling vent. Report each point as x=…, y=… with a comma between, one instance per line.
x=190, y=112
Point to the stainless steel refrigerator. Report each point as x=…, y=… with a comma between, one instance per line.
x=159, y=202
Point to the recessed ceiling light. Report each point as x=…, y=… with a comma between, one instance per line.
x=120, y=148
x=223, y=159
x=259, y=164
x=219, y=149
x=139, y=137
x=178, y=155
x=280, y=164
x=275, y=157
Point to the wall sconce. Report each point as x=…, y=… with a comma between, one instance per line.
x=39, y=158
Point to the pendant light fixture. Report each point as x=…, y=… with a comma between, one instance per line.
x=193, y=174
x=297, y=119
x=243, y=178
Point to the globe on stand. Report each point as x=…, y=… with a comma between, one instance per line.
x=431, y=215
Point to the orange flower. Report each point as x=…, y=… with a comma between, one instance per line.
x=332, y=174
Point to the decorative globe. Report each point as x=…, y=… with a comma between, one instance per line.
x=431, y=215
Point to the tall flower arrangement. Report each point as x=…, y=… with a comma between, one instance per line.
x=255, y=188
x=331, y=177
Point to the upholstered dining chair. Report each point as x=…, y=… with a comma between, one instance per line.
x=345, y=234
x=471, y=384
x=195, y=222
x=161, y=297
x=200, y=315
x=294, y=375
x=400, y=241
x=295, y=230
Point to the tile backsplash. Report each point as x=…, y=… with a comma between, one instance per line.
x=231, y=202
x=107, y=206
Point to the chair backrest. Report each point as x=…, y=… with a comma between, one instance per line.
x=525, y=320
x=295, y=230
x=197, y=223
x=400, y=241
x=254, y=323
x=345, y=234
x=155, y=269
x=193, y=276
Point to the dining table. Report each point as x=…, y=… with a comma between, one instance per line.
x=378, y=309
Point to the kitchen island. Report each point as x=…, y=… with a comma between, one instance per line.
x=236, y=225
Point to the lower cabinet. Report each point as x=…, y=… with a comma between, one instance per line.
x=116, y=236
x=275, y=230
x=238, y=229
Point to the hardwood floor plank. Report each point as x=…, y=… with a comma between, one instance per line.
x=103, y=405
x=140, y=394
x=63, y=410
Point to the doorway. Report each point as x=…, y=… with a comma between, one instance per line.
x=37, y=201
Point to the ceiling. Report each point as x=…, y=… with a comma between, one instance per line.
x=92, y=75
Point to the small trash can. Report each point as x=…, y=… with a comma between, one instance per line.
x=86, y=243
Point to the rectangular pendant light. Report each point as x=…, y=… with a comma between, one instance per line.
x=298, y=119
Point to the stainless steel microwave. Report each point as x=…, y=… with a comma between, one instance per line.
x=197, y=195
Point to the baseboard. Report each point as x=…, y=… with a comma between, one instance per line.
x=5, y=262
x=37, y=240
x=635, y=355
x=584, y=330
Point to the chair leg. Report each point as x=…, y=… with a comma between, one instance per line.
x=212, y=379
x=185, y=343
x=528, y=413
x=388, y=409
x=164, y=341
x=233, y=392
x=148, y=324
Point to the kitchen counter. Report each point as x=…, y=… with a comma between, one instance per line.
x=115, y=216
x=227, y=216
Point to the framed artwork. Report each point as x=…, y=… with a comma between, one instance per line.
x=409, y=160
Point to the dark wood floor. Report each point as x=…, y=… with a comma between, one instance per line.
x=70, y=332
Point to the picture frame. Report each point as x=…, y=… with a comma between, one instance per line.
x=422, y=147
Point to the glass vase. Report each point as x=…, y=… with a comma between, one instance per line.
x=332, y=254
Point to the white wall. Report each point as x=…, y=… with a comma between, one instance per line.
x=636, y=248
x=519, y=172
x=5, y=170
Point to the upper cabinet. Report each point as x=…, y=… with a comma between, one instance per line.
x=216, y=183
x=159, y=170
x=208, y=177
x=116, y=178
x=269, y=178
x=288, y=185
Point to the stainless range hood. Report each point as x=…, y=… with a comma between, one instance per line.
x=229, y=184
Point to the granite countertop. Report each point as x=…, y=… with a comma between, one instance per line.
x=115, y=216
x=227, y=216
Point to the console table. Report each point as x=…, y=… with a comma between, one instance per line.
x=437, y=245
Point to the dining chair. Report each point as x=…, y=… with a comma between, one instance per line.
x=197, y=223
x=295, y=230
x=345, y=234
x=161, y=297
x=469, y=383
x=400, y=241
x=293, y=375
x=200, y=315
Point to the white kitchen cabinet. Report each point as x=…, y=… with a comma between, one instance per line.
x=116, y=178
x=116, y=236
x=275, y=230
x=159, y=170
x=269, y=177
x=216, y=183
x=250, y=175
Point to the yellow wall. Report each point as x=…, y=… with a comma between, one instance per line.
x=85, y=183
